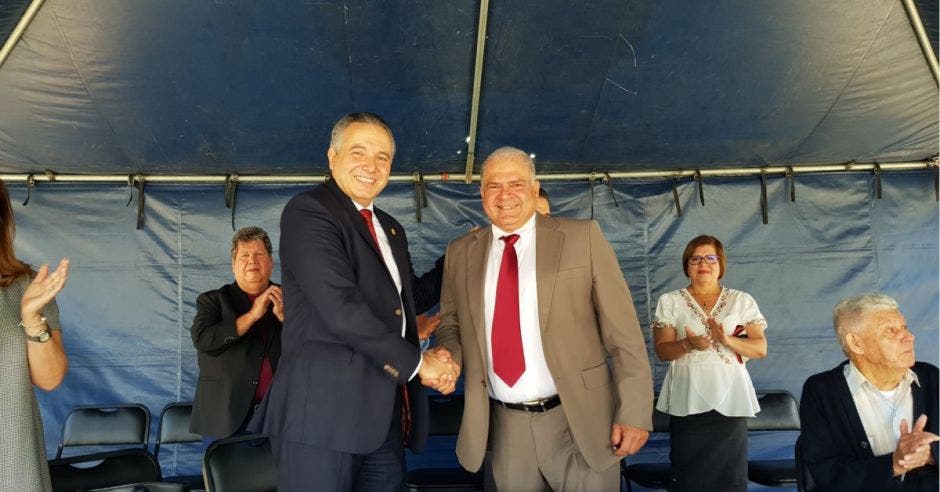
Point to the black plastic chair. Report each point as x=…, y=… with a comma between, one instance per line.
x=98, y=425
x=107, y=469
x=445, y=413
x=240, y=464
x=649, y=475
x=778, y=412
x=173, y=428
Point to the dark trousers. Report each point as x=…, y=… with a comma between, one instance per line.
x=302, y=467
x=708, y=453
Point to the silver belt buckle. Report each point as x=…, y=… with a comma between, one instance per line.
x=535, y=403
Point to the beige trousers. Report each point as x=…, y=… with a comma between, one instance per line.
x=536, y=452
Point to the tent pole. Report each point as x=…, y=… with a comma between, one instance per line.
x=477, y=87
x=19, y=29
x=12, y=179
x=914, y=17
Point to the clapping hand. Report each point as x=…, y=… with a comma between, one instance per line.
x=273, y=296
x=697, y=342
x=439, y=370
x=716, y=331
x=913, y=449
x=42, y=290
x=427, y=325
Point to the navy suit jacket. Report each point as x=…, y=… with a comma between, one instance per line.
x=342, y=351
x=835, y=447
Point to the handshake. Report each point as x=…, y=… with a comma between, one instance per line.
x=439, y=370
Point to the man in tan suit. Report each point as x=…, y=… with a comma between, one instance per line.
x=532, y=309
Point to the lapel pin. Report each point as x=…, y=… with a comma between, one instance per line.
x=392, y=230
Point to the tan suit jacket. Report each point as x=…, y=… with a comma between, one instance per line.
x=586, y=315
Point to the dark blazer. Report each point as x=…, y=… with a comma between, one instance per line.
x=228, y=364
x=343, y=352
x=835, y=447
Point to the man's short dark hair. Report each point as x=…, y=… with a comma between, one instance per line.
x=248, y=234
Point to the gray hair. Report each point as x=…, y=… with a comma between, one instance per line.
x=510, y=154
x=336, y=136
x=851, y=315
x=248, y=234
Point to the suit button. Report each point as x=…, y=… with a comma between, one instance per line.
x=863, y=444
x=483, y=383
x=254, y=381
x=397, y=312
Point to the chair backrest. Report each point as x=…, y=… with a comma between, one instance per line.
x=240, y=464
x=804, y=481
x=445, y=413
x=106, y=469
x=173, y=426
x=778, y=412
x=92, y=425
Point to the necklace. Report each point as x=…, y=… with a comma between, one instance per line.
x=705, y=299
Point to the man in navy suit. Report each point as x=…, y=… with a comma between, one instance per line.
x=347, y=393
x=870, y=424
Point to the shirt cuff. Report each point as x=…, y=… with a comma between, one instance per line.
x=420, y=361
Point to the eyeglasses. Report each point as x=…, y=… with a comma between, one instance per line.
x=710, y=259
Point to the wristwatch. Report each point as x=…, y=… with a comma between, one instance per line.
x=42, y=337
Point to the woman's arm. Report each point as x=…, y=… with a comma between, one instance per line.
x=47, y=360
x=754, y=346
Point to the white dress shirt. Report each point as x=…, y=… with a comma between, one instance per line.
x=390, y=265
x=881, y=412
x=536, y=382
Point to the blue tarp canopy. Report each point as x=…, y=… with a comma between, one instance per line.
x=172, y=88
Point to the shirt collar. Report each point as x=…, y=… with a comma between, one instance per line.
x=360, y=207
x=856, y=379
x=522, y=231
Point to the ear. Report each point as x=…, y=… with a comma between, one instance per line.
x=854, y=343
x=330, y=156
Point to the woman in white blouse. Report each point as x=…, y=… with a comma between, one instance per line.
x=707, y=332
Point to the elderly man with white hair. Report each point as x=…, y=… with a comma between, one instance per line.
x=870, y=424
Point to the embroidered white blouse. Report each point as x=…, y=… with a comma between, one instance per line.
x=711, y=379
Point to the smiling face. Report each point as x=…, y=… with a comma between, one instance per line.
x=509, y=192
x=704, y=274
x=885, y=342
x=362, y=162
x=252, y=266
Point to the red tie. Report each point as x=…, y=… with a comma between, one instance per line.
x=405, y=403
x=367, y=216
x=506, y=339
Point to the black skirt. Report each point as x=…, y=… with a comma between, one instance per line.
x=709, y=453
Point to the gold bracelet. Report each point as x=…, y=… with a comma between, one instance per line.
x=42, y=321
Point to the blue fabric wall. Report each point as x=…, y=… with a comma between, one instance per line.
x=129, y=303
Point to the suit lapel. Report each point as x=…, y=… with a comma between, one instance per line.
x=548, y=246
x=352, y=213
x=477, y=256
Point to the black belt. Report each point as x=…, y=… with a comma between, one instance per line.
x=536, y=406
